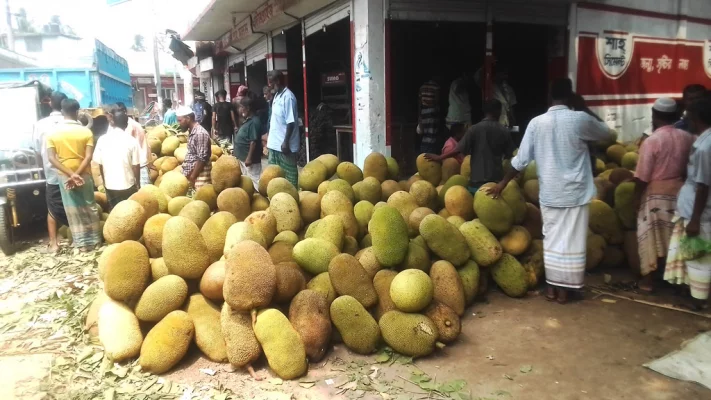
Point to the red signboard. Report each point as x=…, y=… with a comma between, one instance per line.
x=617, y=67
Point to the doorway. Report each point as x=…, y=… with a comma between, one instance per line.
x=257, y=76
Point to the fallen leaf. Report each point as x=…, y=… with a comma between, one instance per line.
x=526, y=369
x=507, y=376
x=307, y=385
x=611, y=301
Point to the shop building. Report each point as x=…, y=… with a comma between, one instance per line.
x=368, y=58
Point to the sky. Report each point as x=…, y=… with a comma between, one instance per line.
x=116, y=26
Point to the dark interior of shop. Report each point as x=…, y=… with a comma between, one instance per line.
x=294, y=65
x=257, y=76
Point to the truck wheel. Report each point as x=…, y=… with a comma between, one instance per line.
x=7, y=238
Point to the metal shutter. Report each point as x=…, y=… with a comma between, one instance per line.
x=257, y=52
x=327, y=16
x=546, y=12
x=439, y=10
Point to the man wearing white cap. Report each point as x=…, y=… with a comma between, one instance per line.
x=196, y=166
x=659, y=176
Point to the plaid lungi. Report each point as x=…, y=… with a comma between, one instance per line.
x=82, y=212
x=287, y=162
x=202, y=180
x=565, y=232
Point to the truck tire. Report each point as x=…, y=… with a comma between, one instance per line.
x=7, y=238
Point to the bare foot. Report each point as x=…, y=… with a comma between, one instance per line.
x=252, y=373
x=50, y=249
x=562, y=296
x=550, y=293
x=646, y=284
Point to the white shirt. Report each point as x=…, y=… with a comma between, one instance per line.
x=284, y=112
x=117, y=152
x=44, y=128
x=459, y=108
x=558, y=142
x=698, y=171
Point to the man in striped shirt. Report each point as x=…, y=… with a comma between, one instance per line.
x=428, y=122
x=558, y=142
x=197, y=166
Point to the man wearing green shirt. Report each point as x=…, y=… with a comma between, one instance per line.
x=248, y=142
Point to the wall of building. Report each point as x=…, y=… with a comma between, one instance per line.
x=58, y=51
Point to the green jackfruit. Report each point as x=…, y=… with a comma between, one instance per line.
x=214, y=232
x=167, y=343
x=119, y=331
x=184, y=249
x=197, y=211
x=605, y=222
x=349, y=277
x=390, y=237
x=287, y=237
x=516, y=242
x=289, y=281
x=531, y=172
x=393, y=168
x=241, y=232
x=247, y=185
x=343, y=187
x=281, y=343
x=470, y=275
x=281, y=185
x=615, y=153
x=456, y=220
x=349, y=172
x=624, y=205
x=448, y=324
x=128, y=271
x=161, y=297
x=330, y=161
x=495, y=214
x=153, y=234
x=309, y=314
x=411, y=290
x=412, y=335
x=309, y=206
x=236, y=201
x=368, y=189
x=531, y=191
x=331, y=229
x=614, y=257
x=312, y=175
x=225, y=173
x=321, y=283
x=286, y=212
x=510, y=276
x=448, y=288
x=405, y=204
x=444, y=239
x=466, y=170
x=455, y=180
x=459, y=202
x=429, y=170
x=240, y=342
x=174, y=184
x=424, y=193
x=513, y=196
x=357, y=328
x=417, y=258
x=125, y=222
x=363, y=212
x=250, y=277
x=176, y=204
x=619, y=175
x=376, y=165
x=208, y=330
x=314, y=255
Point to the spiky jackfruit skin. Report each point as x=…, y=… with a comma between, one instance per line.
x=288, y=237
x=128, y=271
x=125, y=222
x=207, y=194
x=285, y=210
x=424, y=193
x=161, y=297
x=517, y=241
x=448, y=324
x=310, y=316
x=174, y=184
x=321, y=284
x=309, y=206
x=459, y=202
x=266, y=224
x=241, y=343
x=429, y=170
x=369, y=190
x=197, y=211
x=417, y=258
x=176, y=204
x=331, y=229
x=119, y=331
x=349, y=277
x=250, y=277
x=314, y=255
x=153, y=234
x=411, y=290
x=214, y=232
x=169, y=145
x=236, y=201
x=605, y=222
x=469, y=274
x=289, y=281
x=357, y=328
x=448, y=288
x=147, y=201
x=444, y=239
x=390, y=236
x=240, y=232
x=281, y=185
x=208, y=331
x=167, y=343
x=281, y=344
x=184, y=249
x=412, y=335
x=349, y=172
x=226, y=173
x=375, y=165
x=382, y=281
x=269, y=173
x=495, y=214
x=510, y=276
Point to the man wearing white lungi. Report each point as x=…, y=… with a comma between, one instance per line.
x=558, y=142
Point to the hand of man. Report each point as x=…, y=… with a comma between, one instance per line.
x=248, y=163
x=693, y=228
x=78, y=180
x=433, y=157
x=285, y=148
x=495, y=192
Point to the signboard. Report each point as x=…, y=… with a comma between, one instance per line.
x=333, y=79
x=267, y=11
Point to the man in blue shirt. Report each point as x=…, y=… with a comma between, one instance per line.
x=691, y=94
x=284, y=140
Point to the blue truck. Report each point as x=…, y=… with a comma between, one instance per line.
x=106, y=82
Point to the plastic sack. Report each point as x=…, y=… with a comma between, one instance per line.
x=693, y=248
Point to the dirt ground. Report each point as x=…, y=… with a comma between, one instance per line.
x=509, y=349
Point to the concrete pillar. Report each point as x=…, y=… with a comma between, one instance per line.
x=369, y=78
x=187, y=77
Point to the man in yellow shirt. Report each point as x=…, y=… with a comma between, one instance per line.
x=69, y=149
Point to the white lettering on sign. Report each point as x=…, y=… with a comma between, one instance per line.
x=683, y=64
x=614, y=51
x=664, y=62
x=647, y=64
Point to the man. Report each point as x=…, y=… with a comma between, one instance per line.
x=460, y=110
x=169, y=117
x=70, y=149
x=428, y=112
x=488, y=143
x=196, y=166
x=691, y=94
x=265, y=114
x=55, y=209
x=283, y=142
x=659, y=176
x=119, y=161
x=558, y=142
x=203, y=111
x=693, y=219
x=144, y=151
x=223, y=120
x=506, y=95
x=248, y=142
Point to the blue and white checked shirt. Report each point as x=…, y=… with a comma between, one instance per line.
x=558, y=142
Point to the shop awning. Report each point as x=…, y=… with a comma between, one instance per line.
x=219, y=17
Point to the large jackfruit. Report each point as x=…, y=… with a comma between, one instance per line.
x=513, y=196
x=174, y=184
x=176, y=204
x=153, y=234
x=450, y=167
x=167, y=343
x=470, y=276
x=516, y=242
x=444, y=239
x=309, y=314
x=624, y=205
x=510, y=276
x=495, y=214
x=314, y=255
x=369, y=190
x=343, y=187
x=330, y=228
x=197, y=211
x=281, y=343
x=357, y=328
x=241, y=343
x=424, y=193
x=412, y=335
x=375, y=165
x=236, y=201
x=281, y=185
x=417, y=258
x=128, y=271
x=184, y=249
x=266, y=224
x=250, y=277
x=448, y=288
x=429, y=170
x=484, y=247
x=382, y=281
x=289, y=281
x=349, y=172
x=125, y=222
x=448, y=324
x=411, y=290
x=214, y=232
x=208, y=331
x=148, y=201
x=312, y=175
x=455, y=180
x=207, y=194
x=389, y=233
x=161, y=297
x=226, y=173
x=605, y=222
x=119, y=331
x=321, y=284
x=388, y=188
x=240, y=232
x=349, y=277
x=458, y=201
x=285, y=210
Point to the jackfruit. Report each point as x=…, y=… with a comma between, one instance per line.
x=393, y=168
x=167, y=343
x=624, y=205
x=510, y=276
x=495, y=214
x=289, y=281
x=184, y=249
x=331, y=229
x=615, y=153
x=147, y=201
x=530, y=172
x=128, y=271
x=533, y=221
x=456, y=220
x=161, y=297
x=448, y=287
x=376, y=165
x=458, y=201
x=531, y=192
x=363, y=212
x=358, y=329
x=265, y=222
x=410, y=181
x=350, y=245
x=288, y=237
x=176, y=204
x=469, y=275
x=174, y=184
x=286, y=212
x=281, y=343
x=240, y=341
x=155, y=144
x=446, y=320
x=330, y=161
x=247, y=185
x=103, y=259
x=466, y=170
x=444, y=239
x=349, y=277
x=366, y=242
x=387, y=189
x=153, y=234
x=241, y=232
x=312, y=175
x=368, y=189
x=235, y=201
x=269, y=173
x=389, y=234
x=323, y=188
x=250, y=277
x=309, y=206
x=629, y=161
x=197, y=211
x=411, y=290
x=92, y=316
x=369, y=261
x=343, y=187
x=516, y=242
x=619, y=175
x=424, y=193
x=514, y=198
x=213, y=281
x=169, y=164
x=214, y=232
x=455, y=180
x=207, y=194
x=226, y=173
x=416, y=217
x=179, y=155
x=208, y=330
x=604, y=222
x=119, y=332
x=321, y=283
x=169, y=145
x=125, y=222
x=314, y=255
x=158, y=268
x=310, y=316
x=417, y=258
x=429, y=170
x=349, y=172
x=412, y=335
x=281, y=252
x=595, y=251
x=335, y=202
x=450, y=167
x=382, y=281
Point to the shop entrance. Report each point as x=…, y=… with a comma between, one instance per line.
x=257, y=76
x=236, y=78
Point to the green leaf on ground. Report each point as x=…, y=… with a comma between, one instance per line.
x=526, y=369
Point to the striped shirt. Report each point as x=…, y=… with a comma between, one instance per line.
x=199, y=149
x=429, y=95
x=558, y=142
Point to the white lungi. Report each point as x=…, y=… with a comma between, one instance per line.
x=565, y=238
x=254, y=172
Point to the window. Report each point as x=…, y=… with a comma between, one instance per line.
x=33, y=44
x=168, y=94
